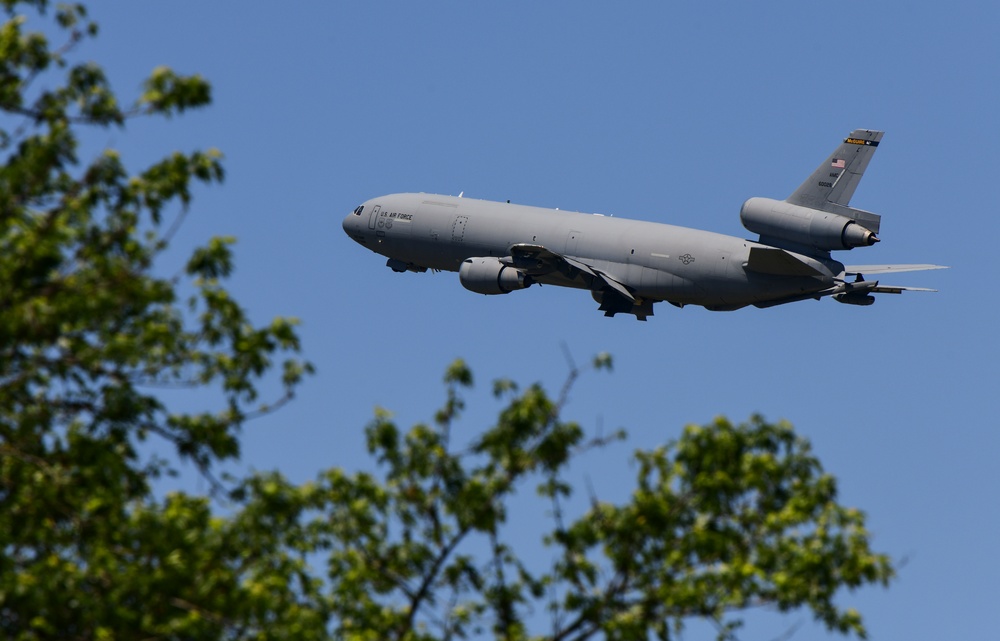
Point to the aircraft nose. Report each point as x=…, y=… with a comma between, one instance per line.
x=350, y=221
x=352, y=225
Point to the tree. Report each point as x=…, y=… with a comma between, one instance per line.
x=725, y=518
x=88, y=332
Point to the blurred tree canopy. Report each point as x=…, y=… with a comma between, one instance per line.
x=726, y=518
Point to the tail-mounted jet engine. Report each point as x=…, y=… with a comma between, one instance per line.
x=783, y=221
x=488, y=275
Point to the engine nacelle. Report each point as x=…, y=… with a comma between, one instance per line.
x=855, y=298
x=487, y=275
x=803, y=225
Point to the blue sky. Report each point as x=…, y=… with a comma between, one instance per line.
x=671, y=112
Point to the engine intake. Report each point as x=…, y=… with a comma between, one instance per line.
x=487, y=275
x=775, y=219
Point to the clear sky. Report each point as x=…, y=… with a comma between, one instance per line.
x=670, y=112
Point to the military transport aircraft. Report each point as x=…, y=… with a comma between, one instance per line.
x=627, y=264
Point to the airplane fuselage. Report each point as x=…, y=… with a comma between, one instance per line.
x=654, y=261
x=628, y=265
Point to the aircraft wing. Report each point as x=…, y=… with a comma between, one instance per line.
x=537, y=260
x=888, y=269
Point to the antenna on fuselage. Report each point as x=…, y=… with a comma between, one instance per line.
x=460, y=194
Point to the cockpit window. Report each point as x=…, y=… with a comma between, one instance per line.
x=358, y=210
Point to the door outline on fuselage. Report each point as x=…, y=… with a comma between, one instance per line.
x=573, y=242
x=374, y=216
x=458, y=228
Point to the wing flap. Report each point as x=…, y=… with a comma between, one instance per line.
x=538, y=260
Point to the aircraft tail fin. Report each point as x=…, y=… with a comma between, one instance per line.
x=832, y=185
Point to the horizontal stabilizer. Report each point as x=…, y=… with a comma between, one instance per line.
x=857, y=293
x=889, y=269
x=778, y=262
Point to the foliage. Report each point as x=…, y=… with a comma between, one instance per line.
x=727, y=517
x=89, y=331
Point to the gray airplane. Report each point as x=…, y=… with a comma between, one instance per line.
x=628, y=265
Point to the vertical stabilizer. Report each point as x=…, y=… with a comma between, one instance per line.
x=835, y=180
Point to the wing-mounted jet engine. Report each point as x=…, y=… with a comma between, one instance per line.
x=487, y=275
x=816, y=217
